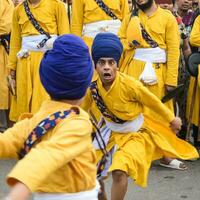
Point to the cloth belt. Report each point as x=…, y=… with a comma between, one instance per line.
x=86, y=195
x=30, y=43
x=150, y=56
x=92, y=29
x=128, y=126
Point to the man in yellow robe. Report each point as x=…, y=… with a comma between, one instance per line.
x=60, y=165
x=25, y=54
x=88, y=18
x=6, y=11
x=160, y=49
x=151, y=41
x=195, y=41
x=138, y=138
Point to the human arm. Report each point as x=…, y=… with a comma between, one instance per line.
x=69, y=139
x=62, y=19
x=77, y=17
x=13, y=139
x=15, y=42
x=19, y=192
x=172, y=50
x=195, y=33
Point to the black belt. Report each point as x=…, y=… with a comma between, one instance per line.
x=5, y=42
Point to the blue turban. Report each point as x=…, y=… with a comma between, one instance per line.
x=106, y=45
x=66, y=70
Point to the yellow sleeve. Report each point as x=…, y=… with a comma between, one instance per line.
x=195, y=33
x=124, y=8
x=6, y=11
x=123, y=32
x=172, y=50
x=69, y=139
x=87, y=101
x=12, y=140
x=62, y=19
x=77, y=17
x=15, y=42
x=147, y=98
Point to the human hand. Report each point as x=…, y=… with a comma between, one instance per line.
x=12, y=81
x=19, y=192
x=176, y=124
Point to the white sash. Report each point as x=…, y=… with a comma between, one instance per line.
x=150, y=56
x=30, y=43
x=126, y=127
x=92, y=29
x=86, y=195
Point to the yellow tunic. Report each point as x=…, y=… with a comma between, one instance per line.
x=62, y=162
x=126, y=99
x=195, y=41
x=6, y=11
x=87, y=11
x=51, y=15
x=163, y=28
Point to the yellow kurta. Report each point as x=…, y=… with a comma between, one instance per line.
x=195, y=41
x=163, y=28
x=62, y=162
x=87, y=11
x=126, y=99
x=6, y=11
x=52, y=16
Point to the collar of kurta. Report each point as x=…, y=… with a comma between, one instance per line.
x=142, y=14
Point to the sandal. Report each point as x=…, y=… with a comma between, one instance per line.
x=174, y=164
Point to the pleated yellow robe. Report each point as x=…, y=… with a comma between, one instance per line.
x=52, y=16
x=136, y=150
x=6, y=11
x=195, y=41
x=163, y=29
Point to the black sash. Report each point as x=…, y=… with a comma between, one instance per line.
x=36, y=25
x=101, y=106
x=145, y=34
x=106, y=9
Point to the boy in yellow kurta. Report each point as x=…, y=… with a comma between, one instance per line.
x=61, y=163
x=88, y=18
x=195, y=41
x=138, y=138
x=6, y=11
x=25, y=54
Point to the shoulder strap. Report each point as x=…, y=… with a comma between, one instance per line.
x=101, y=106
x=148, y=38
x=35, y=24
x=106, y=9
x=43, y=127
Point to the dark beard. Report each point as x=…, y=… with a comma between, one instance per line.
x=145, y=6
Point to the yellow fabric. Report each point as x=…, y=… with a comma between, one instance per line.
x=87, y=11
x=194, y=36
x=195, y=41
x=163, y=28
x=6, y=11
x=62, y=162
x=52, y=16
x=152, y=142
x=126, y=99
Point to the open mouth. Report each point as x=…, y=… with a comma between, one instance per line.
x=107, y=75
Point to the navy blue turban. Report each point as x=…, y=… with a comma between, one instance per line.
x=106, y=45
x=66, y=70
